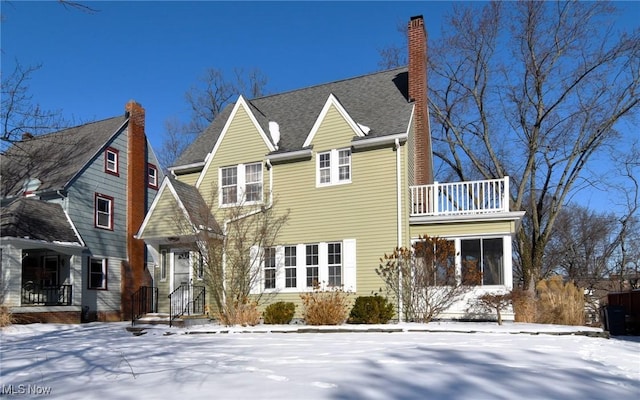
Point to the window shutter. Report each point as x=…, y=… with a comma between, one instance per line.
x=256, y=270
x=349, y=264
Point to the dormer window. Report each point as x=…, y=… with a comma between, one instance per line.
x=333, y=167
x=111, y=158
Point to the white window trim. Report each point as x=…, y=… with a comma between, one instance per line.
x=347, y=264
x=164, y=265
x=116, y=162
x=152, y=177
x=110, y=200
x=241, y=183
x=507, y=274
x=334, y=160
x=105, y=284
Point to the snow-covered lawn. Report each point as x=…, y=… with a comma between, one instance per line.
x=105, y=361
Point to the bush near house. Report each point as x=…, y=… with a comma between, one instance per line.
x=325, y=307
x=6, y=317
x=280, y=312
x=494, y=302
x=559, y=302
x=371, y=310
x=554, y=302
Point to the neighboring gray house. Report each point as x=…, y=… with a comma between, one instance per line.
x=71, y=202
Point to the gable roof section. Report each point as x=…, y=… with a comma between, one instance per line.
x=332, y=101
x=55, y=158
x=196, y=208
x=240, y=103
x=378, y=101
x=27, y=218
x=191, y=203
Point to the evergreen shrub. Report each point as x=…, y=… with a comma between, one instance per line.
x=371, y=310
x=279, y=313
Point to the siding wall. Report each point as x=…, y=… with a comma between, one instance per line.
x=10, y=275
x=242, y=144
x=461, y=229
x=81, y=196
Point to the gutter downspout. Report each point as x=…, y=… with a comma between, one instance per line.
x=399, y=222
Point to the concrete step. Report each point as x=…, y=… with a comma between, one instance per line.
x=163, y=319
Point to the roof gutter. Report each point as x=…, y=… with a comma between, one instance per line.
x=289, y=156
x=379, y=141
x=187, y=168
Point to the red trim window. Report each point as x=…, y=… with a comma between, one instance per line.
x=152, y=172
x=111, y=161
x=103, y=211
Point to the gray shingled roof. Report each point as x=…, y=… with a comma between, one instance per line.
x=37, y=220
x=199, y=213
x=55, y=158
x=378, y=101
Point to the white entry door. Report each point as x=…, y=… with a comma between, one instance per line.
x=180, y=268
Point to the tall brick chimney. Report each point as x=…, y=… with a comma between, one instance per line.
x=417, y=48
x=133, y=272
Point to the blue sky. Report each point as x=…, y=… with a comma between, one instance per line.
x=153, y=52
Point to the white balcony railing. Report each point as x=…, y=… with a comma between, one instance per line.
x=460, y=198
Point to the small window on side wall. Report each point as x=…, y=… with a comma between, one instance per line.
x=97, y=274
x=103, y=211
x=111, y=161
x=152, y=172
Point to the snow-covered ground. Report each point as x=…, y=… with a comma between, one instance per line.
x=421, y=361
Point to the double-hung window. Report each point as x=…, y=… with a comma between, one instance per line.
x=152, y=172
x=241, y=183
x=334, y=253
x=111, y=156
x=270, y=268
x=333, y=167
x=253, y=182
x=229, y=182
x=290, y=263
x=97, y=273
x=103, y=211
x=312, y=265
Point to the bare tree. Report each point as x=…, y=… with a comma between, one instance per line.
x=231, y=257
x=394, y=56
x=77, y=5
x=212, y=93
x=532, y=90
x=21, y=116
x=423, y=278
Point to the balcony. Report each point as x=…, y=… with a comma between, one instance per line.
x=460, y=198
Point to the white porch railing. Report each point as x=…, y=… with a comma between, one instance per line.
x=460, y=198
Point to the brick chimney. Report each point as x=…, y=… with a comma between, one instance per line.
x=134, y=272
x=417, y=48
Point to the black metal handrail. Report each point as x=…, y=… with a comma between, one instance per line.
x=186, y=299
x=57, y=295
x=143, y=301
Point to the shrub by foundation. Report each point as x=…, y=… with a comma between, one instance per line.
x=371, y=310
x=279, y=313
x=325, y=307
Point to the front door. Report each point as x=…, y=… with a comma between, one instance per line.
x=181, y=278
x=180, y=268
